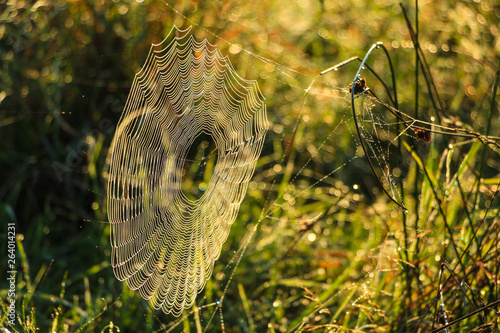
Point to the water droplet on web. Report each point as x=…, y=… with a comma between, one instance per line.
x=363, y=67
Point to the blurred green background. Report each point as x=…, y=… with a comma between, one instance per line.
x=65, y=72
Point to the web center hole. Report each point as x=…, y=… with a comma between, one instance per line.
x=198, y=166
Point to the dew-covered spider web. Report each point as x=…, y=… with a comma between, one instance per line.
x=190, y=162
x=165, y=244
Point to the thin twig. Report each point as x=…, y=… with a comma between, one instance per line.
x=394, y=100
x=439, y=329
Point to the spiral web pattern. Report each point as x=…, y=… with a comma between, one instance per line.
x=163, y=243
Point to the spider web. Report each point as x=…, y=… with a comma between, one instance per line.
x=164, y=243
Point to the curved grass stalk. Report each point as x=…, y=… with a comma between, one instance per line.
x=353, y=97
x=394, y=99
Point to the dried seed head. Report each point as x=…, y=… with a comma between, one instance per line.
x=359, y=85
x=422, y=134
